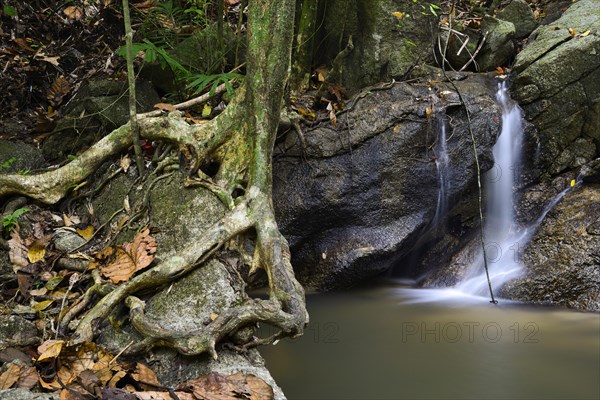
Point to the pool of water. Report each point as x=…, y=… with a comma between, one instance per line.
x=391, y=342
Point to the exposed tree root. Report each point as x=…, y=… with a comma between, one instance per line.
x=240, y=141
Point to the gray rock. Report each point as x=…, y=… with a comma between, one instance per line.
x=67, y=240
x=94, y=111
x=558, y=84
x=354, y=202
x=24, y=394
x=563, y=260
x=520, y=14
x=385, y=47
x=17, y=331
x=498, y=47
x=26, y=157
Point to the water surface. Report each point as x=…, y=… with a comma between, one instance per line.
x=391, y=342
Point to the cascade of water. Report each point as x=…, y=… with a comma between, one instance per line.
x=442, y=164
x=503, y=240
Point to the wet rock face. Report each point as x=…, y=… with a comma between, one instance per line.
x=558, y=86
x=354, y=201
x=563, y=259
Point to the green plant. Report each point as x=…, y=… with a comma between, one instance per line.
x=7, y=164
x=9, y=222
x=199, y=82
x=154, y=53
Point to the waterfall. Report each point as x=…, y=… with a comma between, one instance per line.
x=503, y=239
x=442, y=165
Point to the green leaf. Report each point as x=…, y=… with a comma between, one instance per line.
x=9, y=10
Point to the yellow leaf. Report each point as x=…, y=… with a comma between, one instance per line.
x=42, y=305
x=36, y=253
x=86, y=233
x=584, y=34
x=213, y=316
x=50, y=349
x=428, y=112
x=398, y=14
x=573, y=182
x=206, y=110
x=572, y=32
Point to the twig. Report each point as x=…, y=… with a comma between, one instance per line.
x=190, y=103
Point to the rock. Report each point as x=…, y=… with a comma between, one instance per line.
x=558, y=85
x=385, y=46
x=456, y=55
x=67, y=240
x=498, y=48
x=182, y=215
x=590, y=173
x=563, y=260
x=17, y=331
x=94, y=111
x=520, y=14
x=26, y=157
x=356, y=199
x=24, y=394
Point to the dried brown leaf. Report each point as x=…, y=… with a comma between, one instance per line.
x=17, y=251
x=165, y=107
x=59, y=89
x=131, y=258
x=28, y=378
x=216, y=386
x=22, y=43
x=73, y=12
x=144, y=374
x=10, y=376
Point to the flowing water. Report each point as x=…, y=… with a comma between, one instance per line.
x=442, y=165
x=502, y=237
x=377, y=343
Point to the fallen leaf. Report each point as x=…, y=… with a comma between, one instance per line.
x=87, y=232
x=17, y=251
x=321, y=72
x=51, y=60
x=572, y=32
x=73, y=12
x=144, y=374
x=42, y=305
x=59, y=89
x=165, y=107
x=584, y=34
x=216, y=386
x=28, y=378
x=36, y=252
x=10, y=376
x=125, y=163
x=153, y=395
x=131, y=258
x=22, y=43
x=399, y=14
x=50, y=349
x=573, y=182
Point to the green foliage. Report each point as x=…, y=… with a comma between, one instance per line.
x=199, y=82
x=9, y=10
x=9, y=222
x=154, y=53
x=7, y=164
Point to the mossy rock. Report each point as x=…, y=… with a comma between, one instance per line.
x=26, y=157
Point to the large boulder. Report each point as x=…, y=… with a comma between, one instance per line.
x=96, y=109
x=520, y=14
x=557, y=82
x=389, y=38
x=563, y=260
x=498, y=47
x=356, y=198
